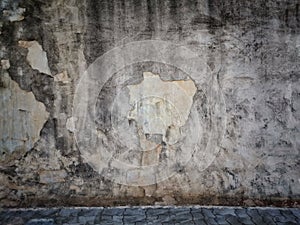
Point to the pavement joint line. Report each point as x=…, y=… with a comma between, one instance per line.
x=193, y=219
x=123, y=222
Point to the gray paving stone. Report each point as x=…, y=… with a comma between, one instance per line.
x=72, y=224
x=25, y=214
x=296, y=212
x=90, y=212
x=86, y=219
x=151, y=223
x=271, y=211
x=282, y=219
x=140, y=223
x=134, y=218
x=165, y=218
x=182, y=213
x=157, y=211
x=246, y=220
x=256, y=218
x=224, y=211
x=106, y=223
x=197, y=215
x=40, y=222
x=106, y=218
x=151, y=218
x=48, y=212
x=221, y=220
x=69, y=212
x=128, y=223
x=97, y=219
x=242, y=213
x=70, y=219
x=5, y=216
x=117, y=219
x=211, y=221
x=233, y=220
x=4, y=211
x=267, y=217
x=178, y=211
x=207, y=213
x=182, y=216
x=196, y=210
x=113, y=211
x=61, y=220
x=289, y=215
x=269, y=220
x=134, y=212
x=14, y=221
x=186, y=222
x=225, y=223
x=200, y=222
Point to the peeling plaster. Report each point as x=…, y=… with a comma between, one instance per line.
x=14, y=15
x=160, y=108
x=36, y=57
x=21, y=117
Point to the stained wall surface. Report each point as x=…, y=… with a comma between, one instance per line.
x=149, y=102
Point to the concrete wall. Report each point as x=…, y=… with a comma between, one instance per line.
x=149, y=102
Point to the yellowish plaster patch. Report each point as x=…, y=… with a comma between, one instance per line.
x=160, y=108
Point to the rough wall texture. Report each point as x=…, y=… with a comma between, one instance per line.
x=149, y=102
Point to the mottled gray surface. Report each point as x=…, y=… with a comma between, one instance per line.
x=240, y=143
x=152, y=215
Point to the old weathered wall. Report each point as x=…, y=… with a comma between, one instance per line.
x=149, y=102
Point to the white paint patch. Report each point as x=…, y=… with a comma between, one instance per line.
x=62, y=77
x=71, y=124
x=5, y=64
x=36, y=57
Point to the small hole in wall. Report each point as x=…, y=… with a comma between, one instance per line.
x=130, y=122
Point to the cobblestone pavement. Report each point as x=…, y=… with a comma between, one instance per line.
x=151, y=215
